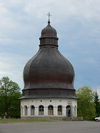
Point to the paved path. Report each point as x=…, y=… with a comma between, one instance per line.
x=51, y=127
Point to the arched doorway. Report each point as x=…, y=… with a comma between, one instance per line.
x=59, y=110
x=41, y=110
x=68, y=111
x=50, y=110
x=32, y=110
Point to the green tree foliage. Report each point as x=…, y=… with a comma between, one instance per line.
x=86, y=105
x=97, y=104
x=9, y=94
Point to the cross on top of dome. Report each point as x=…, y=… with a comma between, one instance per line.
x=49, y=17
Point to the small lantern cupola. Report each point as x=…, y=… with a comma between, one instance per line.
x=48, y=36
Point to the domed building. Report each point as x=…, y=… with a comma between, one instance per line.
x=48, y=81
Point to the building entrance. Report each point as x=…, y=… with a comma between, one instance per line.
x=68, y=111
x=50, y=110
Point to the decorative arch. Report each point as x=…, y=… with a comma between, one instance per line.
x=68, y=111
x=32, y=110
x=41, y=110
x=26, y=110
x=50, y=110
x=59, y=110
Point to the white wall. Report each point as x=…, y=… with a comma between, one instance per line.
x=46, y=102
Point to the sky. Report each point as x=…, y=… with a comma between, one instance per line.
x=77, y=23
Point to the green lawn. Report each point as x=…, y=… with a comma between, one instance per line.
x=24, y=120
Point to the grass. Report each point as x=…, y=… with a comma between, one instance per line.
x=24, y=120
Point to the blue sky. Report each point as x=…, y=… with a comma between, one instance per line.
x=78, y=27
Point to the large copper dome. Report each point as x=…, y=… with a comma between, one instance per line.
x=48, y=74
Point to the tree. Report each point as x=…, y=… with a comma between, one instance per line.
x=97, y=104
x=9, y=94
x=86, y=106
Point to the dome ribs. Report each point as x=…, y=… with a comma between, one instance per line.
x=48, y=74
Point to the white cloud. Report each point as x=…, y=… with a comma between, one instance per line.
x=97, y=88
x=98, y=91
x=12, y=65
x=77, y=24
x=91, y=60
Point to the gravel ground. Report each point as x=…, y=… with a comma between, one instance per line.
x=50, y=127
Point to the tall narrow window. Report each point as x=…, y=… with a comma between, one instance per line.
x=21, y=110
x=50, y=110
x=41, y=110
x=32, y=110
x=75, y=111
x=26, y=110
x=59, y=110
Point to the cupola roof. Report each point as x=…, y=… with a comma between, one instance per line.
x=48, y=36
x=49, y=31
x=48, y=74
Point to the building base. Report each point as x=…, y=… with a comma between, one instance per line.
x=55, y=118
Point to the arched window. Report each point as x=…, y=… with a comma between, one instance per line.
x=68, y=111
x=50, y=110
x=26, y=110
x=59, y=110
x=32, y=110
x=41, y=110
